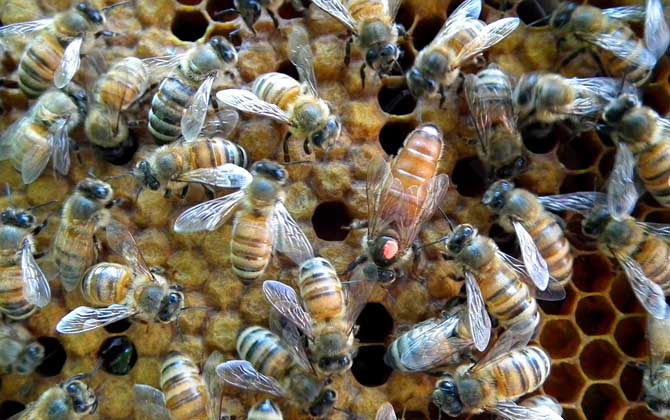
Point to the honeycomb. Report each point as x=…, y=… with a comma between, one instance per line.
x=596, y=336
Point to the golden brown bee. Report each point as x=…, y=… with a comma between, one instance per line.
x=402, y=196
x=265, y=410
x=84, y=212
x=121, y=291
x=24, y=287
x=180, y=106
x=42, y=134
x=72, y=399
x=186, y=394
x=284, y=99
x=500, y=146
x=656, y=379
x=114, y=93
x=544, y=248
x=495, y=382
x=463, y=37
x=270, y=367
x=20, y=353
x=262, y=222
x=583, y=26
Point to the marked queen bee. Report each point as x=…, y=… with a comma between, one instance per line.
x=20, y=352
x=123, y=291
x=72, y=399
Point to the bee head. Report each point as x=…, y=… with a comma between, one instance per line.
x=323, y=403
x=446, y=397
x=563, y=15
x=382, y=57
x=596, y=221
x=496, y=196
x=18, y=218
x=84, y=401
x=334, y=364
x=384, y=250
x=224, y=49
x=92, y=14
x=95, y=189
x=31, y=356
x=418, y=84
x=329, y=132
x=270, y=170
x=171, y=305
x=523, y=93
x=145, y=175
x=459, y=238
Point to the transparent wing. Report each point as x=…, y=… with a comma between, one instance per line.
x=532, y=259
x=358, y=289
x=658, y=229
x=150, y=403
x=392, y=7
x=625, y=48
x=285, y=301
x=509, y=410
x=245, y=101
x=492, y=34
x=604, y=89
x=23, y=28
x=289, y=239
x=193, y=117
x=580, y=202
x=625, y=13
x=208, y=216
x=480, y=109
x=37, y=290
x=378, y=181
x=510, y=339
x=160, y=67
x=480, y=323
x=227, y=175
x=300, y=54
x=69, y=64
x=621, y=191
x=60, y=146
x=469, y=9
x=121, y=241
x=656, y=31
x=224, y=124
x=338, y=11
x=434, y=347
x=554, y=291
x=213, y=383
x=386, y=412
x=649, y=294
x=34, y=162
x=242, y=374
x=292, y=338
x=84, y=319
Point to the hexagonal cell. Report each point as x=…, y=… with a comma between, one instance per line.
x=506, y=241
x=561, y=307
x=287, y=11
x=425, y=31
x=560, y=338
x=630, y=382
x=580, y=152
x=369, y=368
x=118, y=326
x=222, y=10
x=565, y=382
x=374, y=323
x=396, y=99
x=639, y=413
x=288, y=68
x=602, y=401
x=328, y=221
x=630, y=336
x=579, y=182
x=469, y=176
x=622, y=295
x=118, y=355
x=576, y=237
x=54, y=357
x=595, y=315
x=592, y=273
x=392, y=135
x=189, y=25
x=533, y=12
x=571, y=414
x=8, y=408
x=540, y=138
x=600, y=360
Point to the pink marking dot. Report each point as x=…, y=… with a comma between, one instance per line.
x=390, y=250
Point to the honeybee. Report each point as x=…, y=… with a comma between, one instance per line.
x=500, y=146
x=284, y=99
x=402, y=195
x=507, y=372
x=179, y=107
x=52, y=57
x=372, y=24
x=185, y=393
x=114, y=93
x=265, y=410
x=24, y=287
x=123, y=291
x=271, y=368
x=549, y=98
x=583, y=26
x=462, y=37
x=72, y=399
x=546, y=404
x=84, y=212
x=262, y=223
x=42, y=134
x=19, y=351
x=544, y=248
x=656, y=378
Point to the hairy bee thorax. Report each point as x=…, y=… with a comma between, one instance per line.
x=657, y=390
x=621, y=234
x=309, y=114
x=478, y=253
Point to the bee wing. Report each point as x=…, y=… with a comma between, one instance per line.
x=121, y=241
x=379, y=180
x=622, y=194
x=554, y=290
x=84, y=319
x=604, y=89
x=7, y=138
x=579, y=202
x=224, y=124
x=492, y=34
x=245, y=101
x=193, y=117
x=160, y=67
x=338, y=11
x=22, y=28
x=649, y=294
x=358, y=289
x=625, y=13
x=213, y=383
x=391, y=8
x=480, y=323
x=469, y=9
x=478, y=111
x=292, y=338
x=37, y=290
x=625, y=48
x=300, y=54
x=35, y=161
x=386, y=412
x=435, y=347
x=656, y=31
x=208, y=216
x=532, y=259
x=227, y=175
x=509, y=340
x=285, y=301
x=657, y=229
x=289, y=239
x=150, y=403
x=242, y=374
x=60, y=147
x=69, y=64
x=510, y=410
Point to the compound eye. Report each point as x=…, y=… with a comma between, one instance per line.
x=71, y=388
x=467, y=231
x=174, y=299
x=101, y=192
x=523, y=98
x=318, y=138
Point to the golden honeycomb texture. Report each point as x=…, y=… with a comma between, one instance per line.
x=596, y=336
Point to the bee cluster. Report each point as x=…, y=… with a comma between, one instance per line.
x=172, y=242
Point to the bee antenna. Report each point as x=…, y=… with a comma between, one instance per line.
x=113, y=177
x=540, y=20
x=451, y=224
x=297, y=162
x=429, y=244
x=115, y=5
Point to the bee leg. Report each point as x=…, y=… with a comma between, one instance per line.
x=107, y=34
x=599, y=63
x=347, y=51
x=356, y=224
x=183, y=192
x=443, y=95
x=306, y=147
x=273, y=17
x=287, y=156
x=362, y=71
x=234, y=37
x=571, y=57
x=355, y=263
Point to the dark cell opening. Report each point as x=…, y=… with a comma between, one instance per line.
x=630, y=336
x=392, y=136
x=406, y=59
x=601, y=401
x=369, y=368
x=580, y=152
x=470, y=177
x=579, y=182
x=639, y=413
x=630, y=382
x=506, y=241
x=622, y=295
x=374, y=324
x=591, y=273
x=287, y=11
x=560, y=307
x=533, y=12
x=189, y=25
x=560, y=338
x=656, y=100
x=190, y=2
x=118, y=326
x=9, y=408
x=118, y=355
x=658, y=216
x=565, y=382
x=576, y=236
x=288, y=69
x=542, y=138
x=594, y=315
x=123, y=154
x=54, y=357
x=606, y=163
x=599, y=360
x=425, y=31
x=414, y=415
x=396, y=100
x=329, y=219
x=501, y=5
x=215, y=9
x=405, y=16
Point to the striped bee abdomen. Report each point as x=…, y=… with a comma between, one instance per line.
x=106, y=283
x=321, y=290
x=167, y=107
x=12, y=297
x=186, y=395
x=251, y=245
